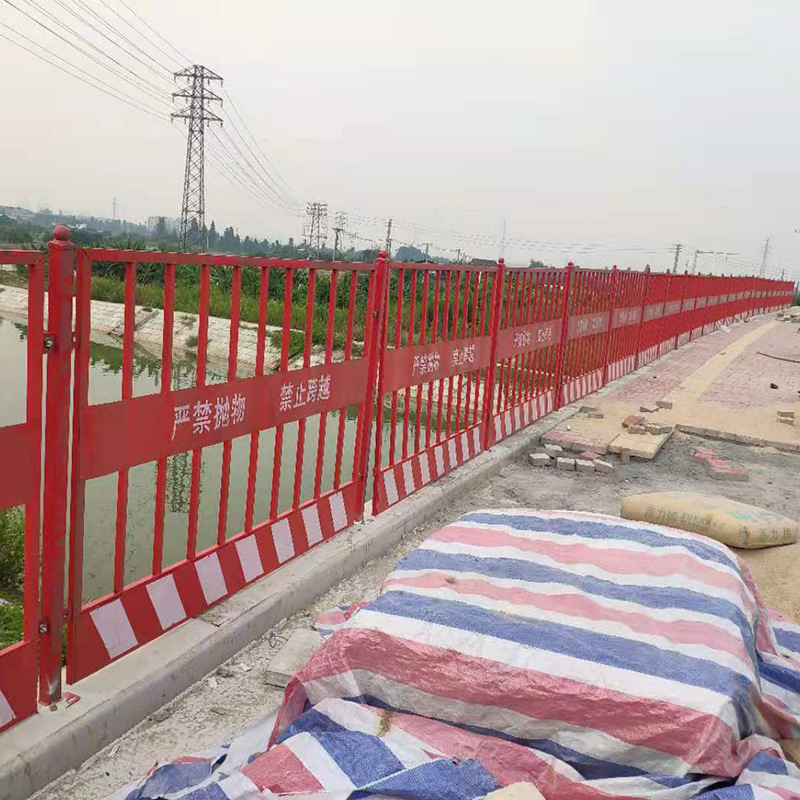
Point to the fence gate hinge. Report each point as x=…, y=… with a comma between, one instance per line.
x=49, y=342
x=44, y=626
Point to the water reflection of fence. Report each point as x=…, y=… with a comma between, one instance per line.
x=450, y=359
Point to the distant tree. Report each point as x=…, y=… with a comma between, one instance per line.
x=409, y=253
x=161, y=228
x=537, y=264
x=213, y=236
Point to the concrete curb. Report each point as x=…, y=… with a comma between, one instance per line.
x=45, y=746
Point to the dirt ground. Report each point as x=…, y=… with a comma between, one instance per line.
x=223, y=705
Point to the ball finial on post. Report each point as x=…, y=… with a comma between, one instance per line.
x=61, y=233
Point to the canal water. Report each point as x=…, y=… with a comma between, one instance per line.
x=105, y=381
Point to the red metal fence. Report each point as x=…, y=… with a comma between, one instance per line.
x=449, y=359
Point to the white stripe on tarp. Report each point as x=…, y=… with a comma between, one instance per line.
x=212, y=581
x=249, y=558
x=476, y=440
x=424, y=468
x=338, y=511
x=316, y=759
x=282, y=537
x=312, y=524
x=390, y=486
x=166, y=601
x=114, y=627
x=462, y=440
x=438, y=454
x=559, y=665
x=6, y=712
x=451, y=450
x=408, y=478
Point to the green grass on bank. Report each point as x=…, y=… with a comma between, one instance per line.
x=12, y=573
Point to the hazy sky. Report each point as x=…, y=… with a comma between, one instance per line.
x=606, y=130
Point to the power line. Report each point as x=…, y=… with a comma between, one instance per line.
x=184, y=59
x=146, y=89
x=110, y=91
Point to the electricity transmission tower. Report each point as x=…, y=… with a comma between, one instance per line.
x=763, y=269
x=678, y=248
x=196, y=113
x=339, y=226
x=316, y=227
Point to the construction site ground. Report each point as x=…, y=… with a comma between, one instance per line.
x=719, y=384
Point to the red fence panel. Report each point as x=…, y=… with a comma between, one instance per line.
x=528, y=343
x=589, y=312
x=323, y=344
x=435, y=362
x=653, y=317
x=626, y=323
x=20, y=486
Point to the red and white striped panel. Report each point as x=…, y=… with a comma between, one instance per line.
x=648, y=355
x=514, y=419
x=17, y=683
x=581, y=386
x=684, y=338
x=113, y=626
x=666, y=347
x=620, y=368
x=406, y=477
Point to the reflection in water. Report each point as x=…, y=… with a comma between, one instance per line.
x=105, y=382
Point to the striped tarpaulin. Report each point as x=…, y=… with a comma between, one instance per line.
x=591, y=656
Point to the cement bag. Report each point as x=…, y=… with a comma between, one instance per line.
x=729, y=522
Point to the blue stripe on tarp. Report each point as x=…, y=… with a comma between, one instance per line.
x=783, y=676
x=173, y=778
x=592, y=529
x=444, y=779
x=533, y=572
x=362, y=757
x=212, y=791
x=788, y=640
x=764, y=762
x=741, y=792
x=578, y=642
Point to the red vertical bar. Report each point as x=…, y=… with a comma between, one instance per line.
x=453, y=337
x=397, y=343
x=33, y=419
x=301, y=425
x=166, y=387
x=412, y=303
x=434, y=330
x=348, y=349
x=641, y=317
x=445, y=321
x=285, y=335
x=202, y=352
x=614, y=289
x=494, y=328
x=376, y=311
x=680, y=313
x=464, y=312
x=562, y=344
x=127, y=393
x=323, y=417
x=77, y=485
x=261, y=340
x=382, y=331
x=59, y=373
x=233, y=355
x=423, y=324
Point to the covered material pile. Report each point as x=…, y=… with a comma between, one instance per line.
x=590, y=656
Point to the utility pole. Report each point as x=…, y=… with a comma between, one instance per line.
x=197, y=96
x=316, y=227
x=114, y=202
x=503, y=240
x=678, y=248
x=764, y=258
x=389, y=238
x=426, y=245
x=339, y=225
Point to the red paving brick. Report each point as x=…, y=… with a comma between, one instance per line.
x=676, y=367
x=745, y=383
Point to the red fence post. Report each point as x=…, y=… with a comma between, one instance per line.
x=494, y=330
x=375, y=345
x=612, y=305
x=61, y=290
x=562, y=343
x=641, y=318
